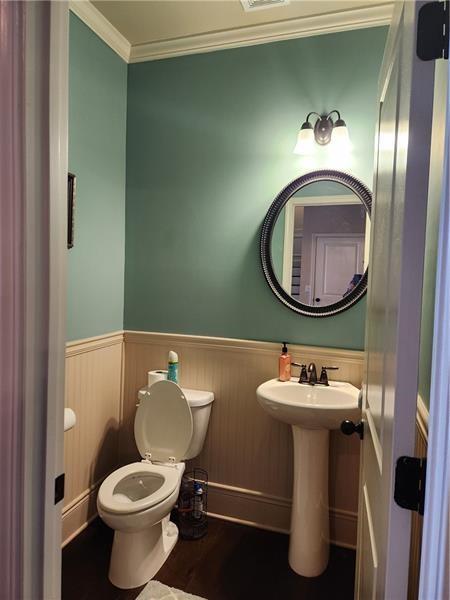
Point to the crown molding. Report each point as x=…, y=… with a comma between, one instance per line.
x=94, y=19
x=359, y=18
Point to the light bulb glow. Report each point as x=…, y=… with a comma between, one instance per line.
x=305, y=141
x=340, y=138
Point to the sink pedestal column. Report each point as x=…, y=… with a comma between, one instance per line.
x=309, y=540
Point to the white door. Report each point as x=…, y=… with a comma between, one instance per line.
x=337, y=259
x=394, y=306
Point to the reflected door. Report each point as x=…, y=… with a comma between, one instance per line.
x=339, y=262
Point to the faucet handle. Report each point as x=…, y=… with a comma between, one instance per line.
x=324, y=375
x=303, y=374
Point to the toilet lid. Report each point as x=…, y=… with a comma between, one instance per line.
x=163, y=423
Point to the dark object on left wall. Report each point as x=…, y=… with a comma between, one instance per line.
x=71, y=194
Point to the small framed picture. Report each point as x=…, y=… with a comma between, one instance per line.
x=71, y=194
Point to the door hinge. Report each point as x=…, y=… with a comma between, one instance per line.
x=410, y=479
x=59, y=487
x=433, y=31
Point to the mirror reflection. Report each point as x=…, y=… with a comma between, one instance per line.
x=320, y=243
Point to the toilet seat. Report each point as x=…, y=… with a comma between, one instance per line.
x=163, y=431
x=163, y=424
x=136, y=479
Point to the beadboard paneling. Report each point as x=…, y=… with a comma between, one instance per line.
x=248, y=455
x=245, y=449
x=91, y=448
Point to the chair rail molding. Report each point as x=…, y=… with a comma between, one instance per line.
x=351, y=357
x=94, y=343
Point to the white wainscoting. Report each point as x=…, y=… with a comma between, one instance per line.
x=91, y=448
x=247, y=454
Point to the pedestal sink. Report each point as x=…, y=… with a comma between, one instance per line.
x=312, y=411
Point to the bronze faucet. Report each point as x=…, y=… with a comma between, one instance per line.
x=312, y=374
x=312, y=370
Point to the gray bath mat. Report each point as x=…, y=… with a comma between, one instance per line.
x=158, y=591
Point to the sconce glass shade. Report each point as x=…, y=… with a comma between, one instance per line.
x=305, y=139
x=340, y=137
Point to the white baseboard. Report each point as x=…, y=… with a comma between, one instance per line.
x=247, y=523
x=77, y=516
x=238, y=505
x=273, y=513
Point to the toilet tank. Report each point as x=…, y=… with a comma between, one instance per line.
x=200, y=403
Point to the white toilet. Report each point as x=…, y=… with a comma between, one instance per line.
x=170, y=426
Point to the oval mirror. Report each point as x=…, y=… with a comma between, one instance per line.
x=315, y=243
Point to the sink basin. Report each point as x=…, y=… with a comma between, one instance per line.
x=312, y=411
x=313, y=407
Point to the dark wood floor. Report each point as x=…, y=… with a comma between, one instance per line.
x=232, y=562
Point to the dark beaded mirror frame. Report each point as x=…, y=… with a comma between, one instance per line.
x=355, y=186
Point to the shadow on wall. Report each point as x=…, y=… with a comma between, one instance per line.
x=104, y=463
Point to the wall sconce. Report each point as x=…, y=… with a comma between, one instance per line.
x=322, y=132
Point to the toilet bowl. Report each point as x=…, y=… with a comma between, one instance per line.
x=136, y=500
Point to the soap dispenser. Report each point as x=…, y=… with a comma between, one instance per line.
x=284, y=364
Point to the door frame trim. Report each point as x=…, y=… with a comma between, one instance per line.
x=46, y=101
x=434, y=568
x=12, y=281
x=289, y=224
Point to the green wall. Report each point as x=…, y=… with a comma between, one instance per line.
x=97, y=149
x=209, y=145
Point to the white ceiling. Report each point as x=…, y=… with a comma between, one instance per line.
x=148, y=21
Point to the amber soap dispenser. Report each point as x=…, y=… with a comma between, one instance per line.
x=284, y=364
